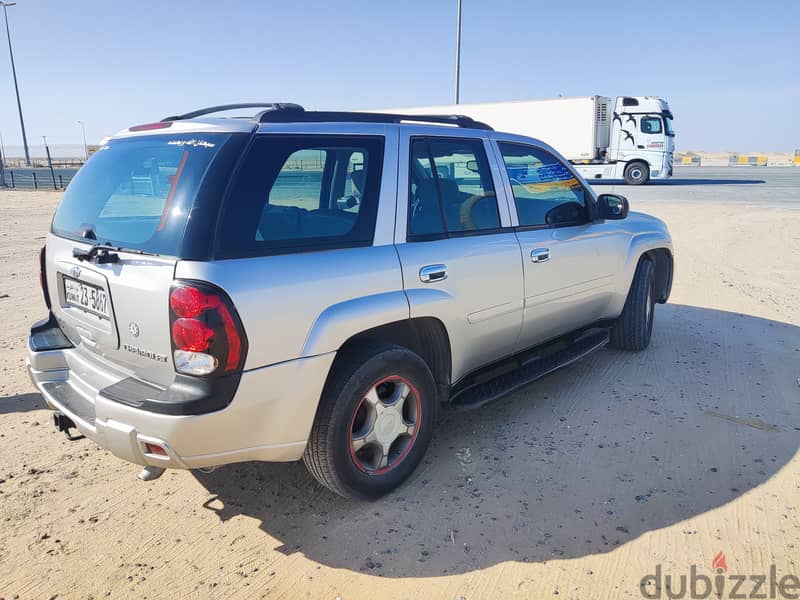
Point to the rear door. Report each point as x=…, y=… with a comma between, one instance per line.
x=569, y=260
x=136, y=194
x=460, y=259
x=305, y=246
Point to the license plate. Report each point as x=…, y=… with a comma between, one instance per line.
x=91, y=298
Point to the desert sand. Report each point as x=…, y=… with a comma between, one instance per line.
x=576, y=486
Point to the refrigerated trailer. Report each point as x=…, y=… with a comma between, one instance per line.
x=629, y=137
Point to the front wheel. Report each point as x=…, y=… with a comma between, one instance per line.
x=374, y=423
x=637, y=173
x=634, y=326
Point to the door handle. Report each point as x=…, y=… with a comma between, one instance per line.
x=433, y=273
x=539, y=255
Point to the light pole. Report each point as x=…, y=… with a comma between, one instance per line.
x=5, y=6
x=85, y=147
x=458, y=50
x=50, y=162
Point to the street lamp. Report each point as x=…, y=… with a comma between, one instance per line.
x=5, y=6
x=458, y=50
x=85, y=147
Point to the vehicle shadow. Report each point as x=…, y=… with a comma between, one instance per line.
x=21, y=403
x=679, y=182
x=579, y=463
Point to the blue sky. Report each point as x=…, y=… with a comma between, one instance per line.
x=730, y=69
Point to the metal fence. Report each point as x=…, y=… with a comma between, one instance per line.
x=36, y=179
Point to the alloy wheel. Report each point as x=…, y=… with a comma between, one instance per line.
x=385, y=425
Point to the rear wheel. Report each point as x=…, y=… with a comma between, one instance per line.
x=634, y=326
x=637, y=173
x=374, y=423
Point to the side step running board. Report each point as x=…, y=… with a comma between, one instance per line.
x=488, y=391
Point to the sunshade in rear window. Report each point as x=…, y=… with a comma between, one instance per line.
x=138, y=192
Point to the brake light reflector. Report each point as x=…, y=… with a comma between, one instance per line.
x=154, y=449
x=207, y=335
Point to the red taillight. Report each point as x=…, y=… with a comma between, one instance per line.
x=234, y=340
x=187, y=302
x=151, y=126
x=192, y=335
x=207, y=336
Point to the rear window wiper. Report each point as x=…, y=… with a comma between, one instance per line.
x=106, y=253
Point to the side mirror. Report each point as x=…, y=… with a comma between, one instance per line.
x=612, y=206
x=472, y=165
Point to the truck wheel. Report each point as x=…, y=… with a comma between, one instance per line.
x=637, y=173
x=374, y=422
x=634, y=326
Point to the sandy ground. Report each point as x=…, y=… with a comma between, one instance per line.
x=575, y=487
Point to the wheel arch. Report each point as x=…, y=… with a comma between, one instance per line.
x=662, y=261
x=652, y=245
x=425, y=336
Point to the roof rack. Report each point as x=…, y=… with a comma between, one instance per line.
x=291, y=116
x=268, y=106
x=288, y=112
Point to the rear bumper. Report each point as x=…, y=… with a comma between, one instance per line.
x=269, y=418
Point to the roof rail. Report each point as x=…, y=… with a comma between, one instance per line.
x=268, y=106
x=291, y=116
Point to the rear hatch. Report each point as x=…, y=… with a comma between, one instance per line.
x=150, y=201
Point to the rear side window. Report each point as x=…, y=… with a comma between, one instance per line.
x=451, y=189
x=298, y=193
x=546, y=193
x=138, y=192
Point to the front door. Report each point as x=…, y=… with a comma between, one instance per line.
x=569, y=260
x=460, y=259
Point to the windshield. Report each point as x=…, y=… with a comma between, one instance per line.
x=137, y=192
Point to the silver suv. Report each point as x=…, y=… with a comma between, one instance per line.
x=313, y=285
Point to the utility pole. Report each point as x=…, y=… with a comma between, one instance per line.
x=458, y=52
x=2, y=162
x=5, y=6
x=85, y=147
x=50, y=162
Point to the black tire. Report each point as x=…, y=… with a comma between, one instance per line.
x=329, y=455
x=635, y=325
x=637, y=173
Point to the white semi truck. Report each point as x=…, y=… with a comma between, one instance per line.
x=630, y=137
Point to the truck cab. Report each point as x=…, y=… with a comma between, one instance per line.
x=641, y=141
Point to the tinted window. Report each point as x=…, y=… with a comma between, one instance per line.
x=451, y=187
x=303, y=192
x=138, y=192
x=650, y=125
x=545, y=190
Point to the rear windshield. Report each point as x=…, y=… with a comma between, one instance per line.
x=137, y=192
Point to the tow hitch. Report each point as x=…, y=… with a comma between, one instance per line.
x=64, y=423
x=151, y=473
